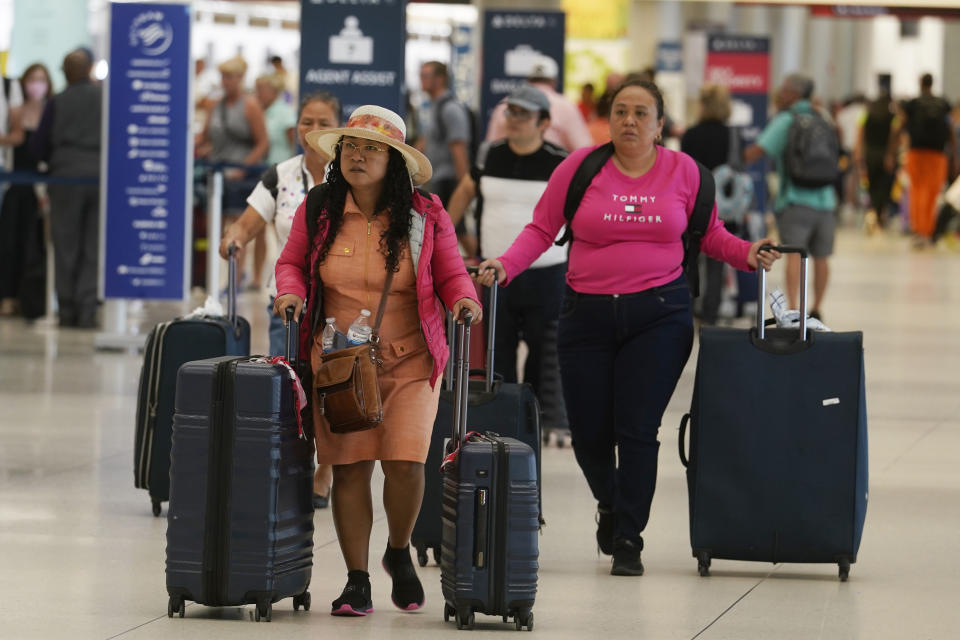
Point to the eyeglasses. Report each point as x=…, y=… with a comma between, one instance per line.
x=351, y=148
x=519, y=114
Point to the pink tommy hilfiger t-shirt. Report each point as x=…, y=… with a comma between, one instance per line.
x=627, y=231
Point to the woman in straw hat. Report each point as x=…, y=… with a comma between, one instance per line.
x=366, y=221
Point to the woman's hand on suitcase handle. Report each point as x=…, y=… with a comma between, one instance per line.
x=287, y=300
x=488, y=270
x=466, y=304
x=762, y=254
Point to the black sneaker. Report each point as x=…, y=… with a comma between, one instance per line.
x=407, y=591
x=355, y=599
x=626, y=557
x=606, y=527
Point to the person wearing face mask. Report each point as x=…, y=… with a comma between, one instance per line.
x=68, y=140
x=625, y=330
x=275, y=200
x=21, y=230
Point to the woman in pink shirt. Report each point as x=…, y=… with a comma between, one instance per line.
x=625, y=329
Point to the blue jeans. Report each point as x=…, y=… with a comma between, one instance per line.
x=278, y=333
x=620, y=360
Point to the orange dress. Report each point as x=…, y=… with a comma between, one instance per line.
x=353, y=275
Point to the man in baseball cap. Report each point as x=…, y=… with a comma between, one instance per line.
x=511, y=176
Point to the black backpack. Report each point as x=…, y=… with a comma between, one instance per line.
x=813, y=151
x=474, y=144
x=696, y=227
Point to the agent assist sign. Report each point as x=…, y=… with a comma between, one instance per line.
x=355, y=50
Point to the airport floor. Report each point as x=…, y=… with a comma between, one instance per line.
x=82, y=557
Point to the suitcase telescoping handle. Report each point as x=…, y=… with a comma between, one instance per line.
x=293, y=337
x=232, y=284
x=491, y=318
x=762, y=289
x=462, y=382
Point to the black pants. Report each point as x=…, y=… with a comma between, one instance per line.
x=525, y=311
x=18, y=217
x=880, y=183
x=75, y=227
x=620, y=360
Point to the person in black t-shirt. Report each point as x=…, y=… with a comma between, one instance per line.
x=926, y=120
x=508, y=181
x=708, y=142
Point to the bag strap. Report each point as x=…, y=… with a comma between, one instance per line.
x=697, y=228
x=590, y=166
x=383, y=303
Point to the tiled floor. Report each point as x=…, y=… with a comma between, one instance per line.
x=81, y=556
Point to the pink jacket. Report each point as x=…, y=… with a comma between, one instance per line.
x=441, y=275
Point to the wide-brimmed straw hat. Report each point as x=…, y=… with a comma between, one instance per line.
x=381, y=125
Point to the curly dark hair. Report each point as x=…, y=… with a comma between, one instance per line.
x=395, y=199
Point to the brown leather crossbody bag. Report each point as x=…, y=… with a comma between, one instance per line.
x=346, y=383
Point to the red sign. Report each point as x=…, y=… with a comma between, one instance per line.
x=739, y=72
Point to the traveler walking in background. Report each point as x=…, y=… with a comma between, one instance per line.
x=21, y=227
x=926, y=119
x=510, y=179
x=275, y=200
x=368, y=221
x=878, y=126
x=446, y=138
x=68, y=140
x=625, y=325
x=567, y=130
x=806, y=215
x=236, y=133
x=708, y=142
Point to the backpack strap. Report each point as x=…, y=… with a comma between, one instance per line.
x=590, y=166
x=697, y=228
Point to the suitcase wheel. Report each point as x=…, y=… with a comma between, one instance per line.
x=524, y=619
x=844, y=569
x=436, y=555
x=465, y=619
x=302, y=600
x=703, y=564
x=157, y=507
x=176, y=605
x=450, y=612
x=264, y=611
x=422, y=556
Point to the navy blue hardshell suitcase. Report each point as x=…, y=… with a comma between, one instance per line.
x=240, y=522
x=169, y=345
x=490, y=523
x=509, y=409
x=777, y=470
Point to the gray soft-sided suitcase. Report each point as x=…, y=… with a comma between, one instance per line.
x=169, y=345
x=777, y=469
x=489, y=547
x=240, y=522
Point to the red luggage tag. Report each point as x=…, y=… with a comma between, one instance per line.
x=298, y=392
x=452, y=456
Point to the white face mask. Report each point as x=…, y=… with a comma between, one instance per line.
x=37, y=89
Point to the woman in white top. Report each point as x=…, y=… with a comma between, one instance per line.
x=275, y=199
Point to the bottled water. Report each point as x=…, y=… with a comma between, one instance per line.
x=329, y=333
x=359, y=332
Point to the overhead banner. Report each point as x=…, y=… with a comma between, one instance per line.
x=512, y=42
x=355, y=50
x=742, y=65
x=147, y=180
